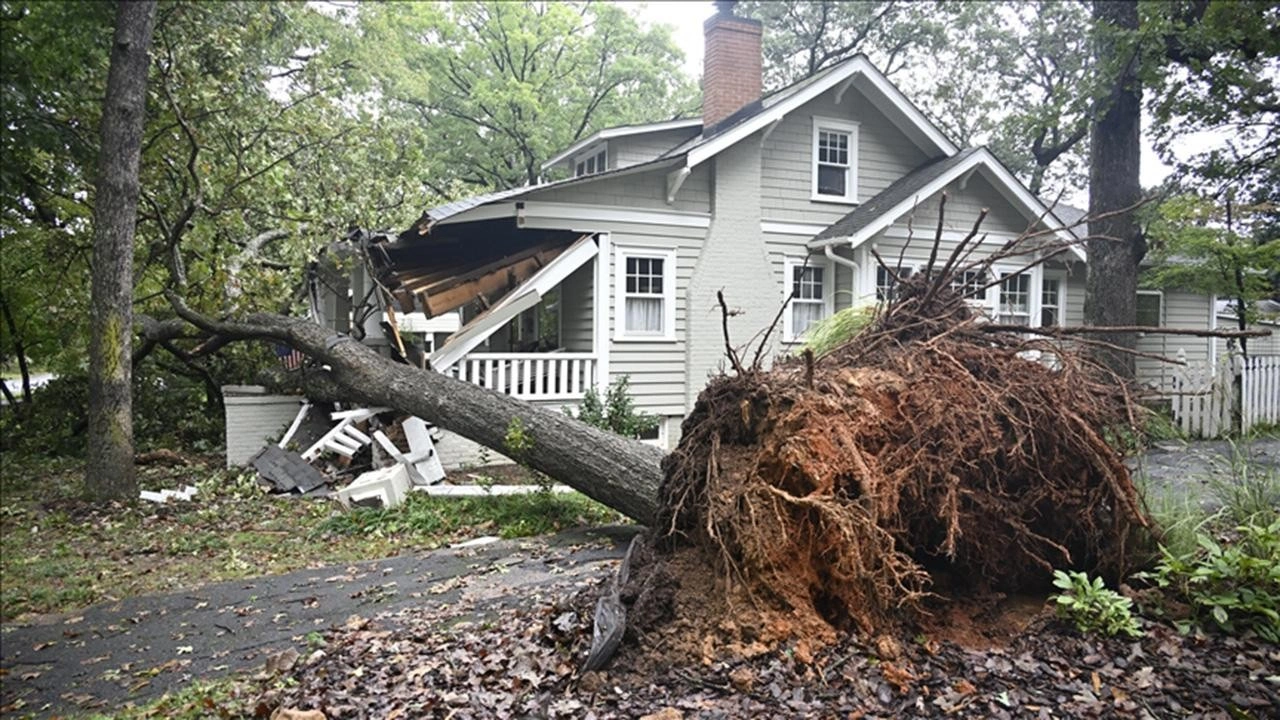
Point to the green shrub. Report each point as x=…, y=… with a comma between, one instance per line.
x=1093, y=607
x=832, y=332
x=616, y=413
x=1232, y=582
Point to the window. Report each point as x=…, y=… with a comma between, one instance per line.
x=886, y=283
x=1051, y=301
x=591, y=162
x=1150, y=308
x=970, y=284
x=835, y=144
x=646, y=295
x=1015, y=299
x=806, y=289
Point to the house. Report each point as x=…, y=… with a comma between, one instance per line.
x=611, y=267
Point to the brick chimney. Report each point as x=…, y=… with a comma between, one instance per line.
x=731, y=65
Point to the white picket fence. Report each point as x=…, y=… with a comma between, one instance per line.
x=1260, y=391
x=1204, y=398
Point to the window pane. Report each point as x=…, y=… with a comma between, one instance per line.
x=1149, y=309
x=644, y=315
x=832, y=180
x=580, y=169
x=804, y=315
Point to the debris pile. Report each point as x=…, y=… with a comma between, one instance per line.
x=931, y=455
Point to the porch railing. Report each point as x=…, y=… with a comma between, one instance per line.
x=530, y=376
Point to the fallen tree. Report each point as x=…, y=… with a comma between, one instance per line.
x=621, y=473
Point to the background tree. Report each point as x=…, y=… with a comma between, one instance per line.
x=1116, y=245
x=503, y=86
x=1214, y=249
x=109, y=472
x=803, y=38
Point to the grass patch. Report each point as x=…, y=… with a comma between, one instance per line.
x=58, y=554
x=231, y=697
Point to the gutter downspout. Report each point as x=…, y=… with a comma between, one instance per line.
x=831, y=255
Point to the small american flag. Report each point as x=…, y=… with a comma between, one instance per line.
x=291, y=359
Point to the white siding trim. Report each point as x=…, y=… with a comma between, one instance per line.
x=606, y=213
x=600, y=312
x=668, y=258
x=778, y=227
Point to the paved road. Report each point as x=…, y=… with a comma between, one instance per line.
x=136, y=649
x=1195, y=471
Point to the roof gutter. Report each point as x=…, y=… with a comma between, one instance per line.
x=830, y=252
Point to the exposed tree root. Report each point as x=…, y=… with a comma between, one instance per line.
x=837, y=491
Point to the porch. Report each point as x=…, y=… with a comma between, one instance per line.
x=550, y=376
x=529, y=307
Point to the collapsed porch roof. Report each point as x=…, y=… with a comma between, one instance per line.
x=476, y=262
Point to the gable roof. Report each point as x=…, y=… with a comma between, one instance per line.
x=622, y=131
x=856, y=71
x=924, y=182
x=905, y=189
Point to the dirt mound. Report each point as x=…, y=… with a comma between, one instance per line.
x=927, y=456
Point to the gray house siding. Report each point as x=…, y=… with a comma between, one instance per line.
x=635, y=149
x=1181, y=310
x=884, y=154
x=576, y=308
x=646, y=190
x=656, y=368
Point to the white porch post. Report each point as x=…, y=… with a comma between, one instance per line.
x=600, y=311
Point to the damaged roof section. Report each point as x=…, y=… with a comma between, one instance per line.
x=455, y=265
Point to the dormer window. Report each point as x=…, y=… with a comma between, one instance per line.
x=594, y=160
x=835, y=156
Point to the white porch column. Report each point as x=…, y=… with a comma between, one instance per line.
x=600, y=311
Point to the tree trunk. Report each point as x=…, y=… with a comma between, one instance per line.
x=109, y=473
x=20, y=350
x=1116, y=245
x=621, y=473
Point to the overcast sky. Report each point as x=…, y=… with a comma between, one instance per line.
x=686, y=19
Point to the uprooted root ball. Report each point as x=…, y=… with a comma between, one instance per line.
x=925, y=447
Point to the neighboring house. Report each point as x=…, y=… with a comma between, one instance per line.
x=1268, y=319
x=612, y=270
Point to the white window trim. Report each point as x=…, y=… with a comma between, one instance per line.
x=875, y=270
x=791, y=262
x=1061, y=277
x=588, y=153
x=851, y=190
x=620, y=295
x=1163, y=307
x=661, y=440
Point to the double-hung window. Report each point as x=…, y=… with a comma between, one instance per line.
x=806, y=286
x=591, y=162
x=1150, y=306
x=1014, y=307
x=1051, y=304
x=835, y=155
x=646, y=294
x=886, y=282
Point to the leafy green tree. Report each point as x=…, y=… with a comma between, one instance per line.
x=1215, y=249
x=503, y=86
x=802, y=38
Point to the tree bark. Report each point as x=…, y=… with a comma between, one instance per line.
x=621, y=473
x=110, y=472
x=1116, y=245
x=20, y=351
